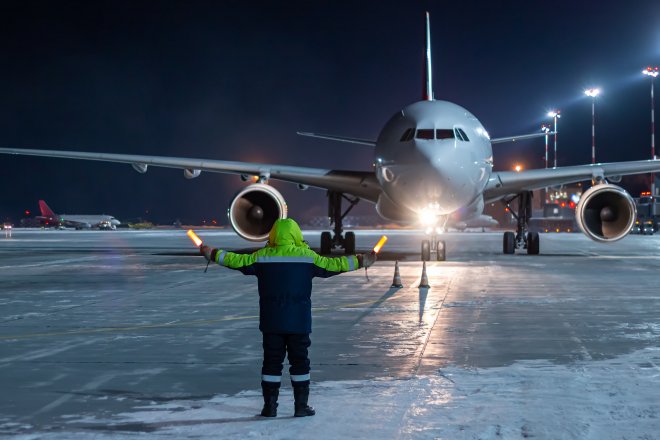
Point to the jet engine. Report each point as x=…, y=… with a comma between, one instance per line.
x=254, y=210
x=606, y=213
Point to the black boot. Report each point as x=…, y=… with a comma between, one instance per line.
x=271, y=394
x=301, y=395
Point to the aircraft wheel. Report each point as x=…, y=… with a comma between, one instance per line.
x=349, y=243
x=533, y=242
x=509, y=242
x=426, y=250
x=441, y=250
x=326, y=243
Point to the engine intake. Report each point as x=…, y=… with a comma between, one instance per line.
x=606, y=213
x=254, y=210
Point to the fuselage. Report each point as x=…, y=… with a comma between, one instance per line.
x=90, y=220
x=433, y=160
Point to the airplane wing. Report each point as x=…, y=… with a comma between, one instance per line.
x=505, y=183
x=331, y=137
x=362, y=184
x=521, y=137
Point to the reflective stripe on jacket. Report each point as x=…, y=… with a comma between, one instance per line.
x=284, y=270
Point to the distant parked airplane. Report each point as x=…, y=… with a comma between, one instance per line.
x=77, y=221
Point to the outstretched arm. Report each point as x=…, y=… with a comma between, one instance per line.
x=326, y=267
x=242, y=262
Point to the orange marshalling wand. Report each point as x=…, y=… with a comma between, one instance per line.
x=195, y=239
x=380, y=243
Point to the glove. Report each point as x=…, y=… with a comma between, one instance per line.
x=367, y=260
x=207, y=251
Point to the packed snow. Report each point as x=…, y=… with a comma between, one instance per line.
x=590, y=399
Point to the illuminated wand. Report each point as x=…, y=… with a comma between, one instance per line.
x=376, y=249
x=197, y=242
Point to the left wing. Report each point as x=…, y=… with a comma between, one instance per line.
x=521, y=137
x=504, y=183
x=362, y=184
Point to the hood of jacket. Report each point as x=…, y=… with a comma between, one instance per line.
x=286, y=232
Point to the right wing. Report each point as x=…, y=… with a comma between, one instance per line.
x=362, y=184
x=505, y=183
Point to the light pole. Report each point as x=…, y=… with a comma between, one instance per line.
x=593, y=93
x=555, y=114
x=545, y=129
x=652, y=72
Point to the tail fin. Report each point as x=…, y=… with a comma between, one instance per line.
x=45, y=210
x=427, y=92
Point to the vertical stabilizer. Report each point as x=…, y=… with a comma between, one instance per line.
x=427, y=93
x=45, y=210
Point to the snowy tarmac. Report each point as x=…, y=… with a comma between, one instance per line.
x=121, y=334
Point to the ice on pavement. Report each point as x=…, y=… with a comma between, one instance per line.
x=591, y=399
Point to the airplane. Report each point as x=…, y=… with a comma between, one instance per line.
x=77, y=221
x=433, y=167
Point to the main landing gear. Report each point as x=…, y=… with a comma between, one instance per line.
x=522, y=239
x=337, y=239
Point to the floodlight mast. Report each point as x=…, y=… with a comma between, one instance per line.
x=555, y=114
x=652, y=72
x=593, y=93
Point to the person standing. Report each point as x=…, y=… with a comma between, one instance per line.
x=284, y=269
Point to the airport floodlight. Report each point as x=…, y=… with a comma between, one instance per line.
x=518, y=168
x=546, y=130
x=554, y=114
x=651, y=71
x=592, y=92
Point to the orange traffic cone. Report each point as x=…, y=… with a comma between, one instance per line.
x=424, y=282
x=396, y=281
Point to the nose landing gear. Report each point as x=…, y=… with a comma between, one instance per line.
x=522, y=239
x=439, y=247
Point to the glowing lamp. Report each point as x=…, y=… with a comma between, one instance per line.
x=195, y=239
x=380, y=243
x=592, y=92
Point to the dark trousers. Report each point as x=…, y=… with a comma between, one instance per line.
x=276, y=346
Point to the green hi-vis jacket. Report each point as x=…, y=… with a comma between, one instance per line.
x=284, y=269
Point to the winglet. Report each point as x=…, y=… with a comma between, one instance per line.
x=427, y=92
x=45, y=210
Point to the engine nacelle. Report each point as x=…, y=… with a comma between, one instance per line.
x=606, y=213
x=140, y=167
x=190, y=173
x=254, y=210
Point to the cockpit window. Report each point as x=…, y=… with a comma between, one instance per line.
x=444, y=133
x=425, y=134
x=462, y=135
x=408, y=135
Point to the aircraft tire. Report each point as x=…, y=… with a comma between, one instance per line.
x=509, y=242
x=349, y=243
x=441, y=252
x=326, y=243
x=533, y=243
x=426, y=250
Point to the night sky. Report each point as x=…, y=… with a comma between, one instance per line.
x=236, y=80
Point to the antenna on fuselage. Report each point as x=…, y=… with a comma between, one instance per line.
x=427, y=92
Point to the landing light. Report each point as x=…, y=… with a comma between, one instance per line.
x=428, y=217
